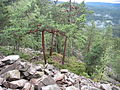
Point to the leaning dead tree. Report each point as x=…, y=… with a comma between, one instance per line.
x=53, y=32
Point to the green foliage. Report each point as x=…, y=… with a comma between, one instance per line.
x=30, y=42
x=10, y=51
x=4, y=15
x=98, y=51
x=115, y=56
x=5, y=51
x=72, y=65
x=93, y=57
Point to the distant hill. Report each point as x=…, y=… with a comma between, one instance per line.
x=104, y=13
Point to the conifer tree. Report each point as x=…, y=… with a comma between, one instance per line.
x=4, y=14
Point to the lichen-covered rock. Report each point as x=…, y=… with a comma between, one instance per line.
x=22, y=75
x=24, y=66
x=38, y=74
x=71, y=88
x=115, y=88
x=1, y=80
x=106, y=87
x=10, y=59
x=49, y=67
x=17, y=84
x=58, y=76
x=7, y=68
x=47, y=80
x=51, y=87
x=36, y=82
x=32, y=70
x=28, y=86
x=89, y=88
x=43, y=81
x=47, y=72
x=39, y=67
x=13, y=75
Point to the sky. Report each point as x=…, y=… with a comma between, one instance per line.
x=108, y=1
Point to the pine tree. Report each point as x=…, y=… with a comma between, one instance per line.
x=4, y=14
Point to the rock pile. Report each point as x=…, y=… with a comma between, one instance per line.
x=16, y=74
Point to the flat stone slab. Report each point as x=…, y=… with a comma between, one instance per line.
x=90, y=88
x=1, y=80
x=13, y=75
x=106, y=87
x=58, y=76
x=72, y=88
x=28, y=86
x=10, y=59
x=51, y=87
x=17, y=84
x=45, y=81
x=10, y=67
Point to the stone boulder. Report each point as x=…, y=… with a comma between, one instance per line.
x=10, y=67
x=1, y=80
x=10, y=59
x=71, y=88
x=36, y=82
x=45, y=81
x=106, y=87
x=17, y=84
x=48, y=72
x=16, y=74
x=24, y=66
x=28, y=86
x=49, y=67
x=58, y=76
x=115, y=88
x=13, y=75
x=89, y=88
x=51, y=87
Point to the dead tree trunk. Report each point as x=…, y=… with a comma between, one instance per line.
x=43, y=46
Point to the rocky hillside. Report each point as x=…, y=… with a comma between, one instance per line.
x=16, y=74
